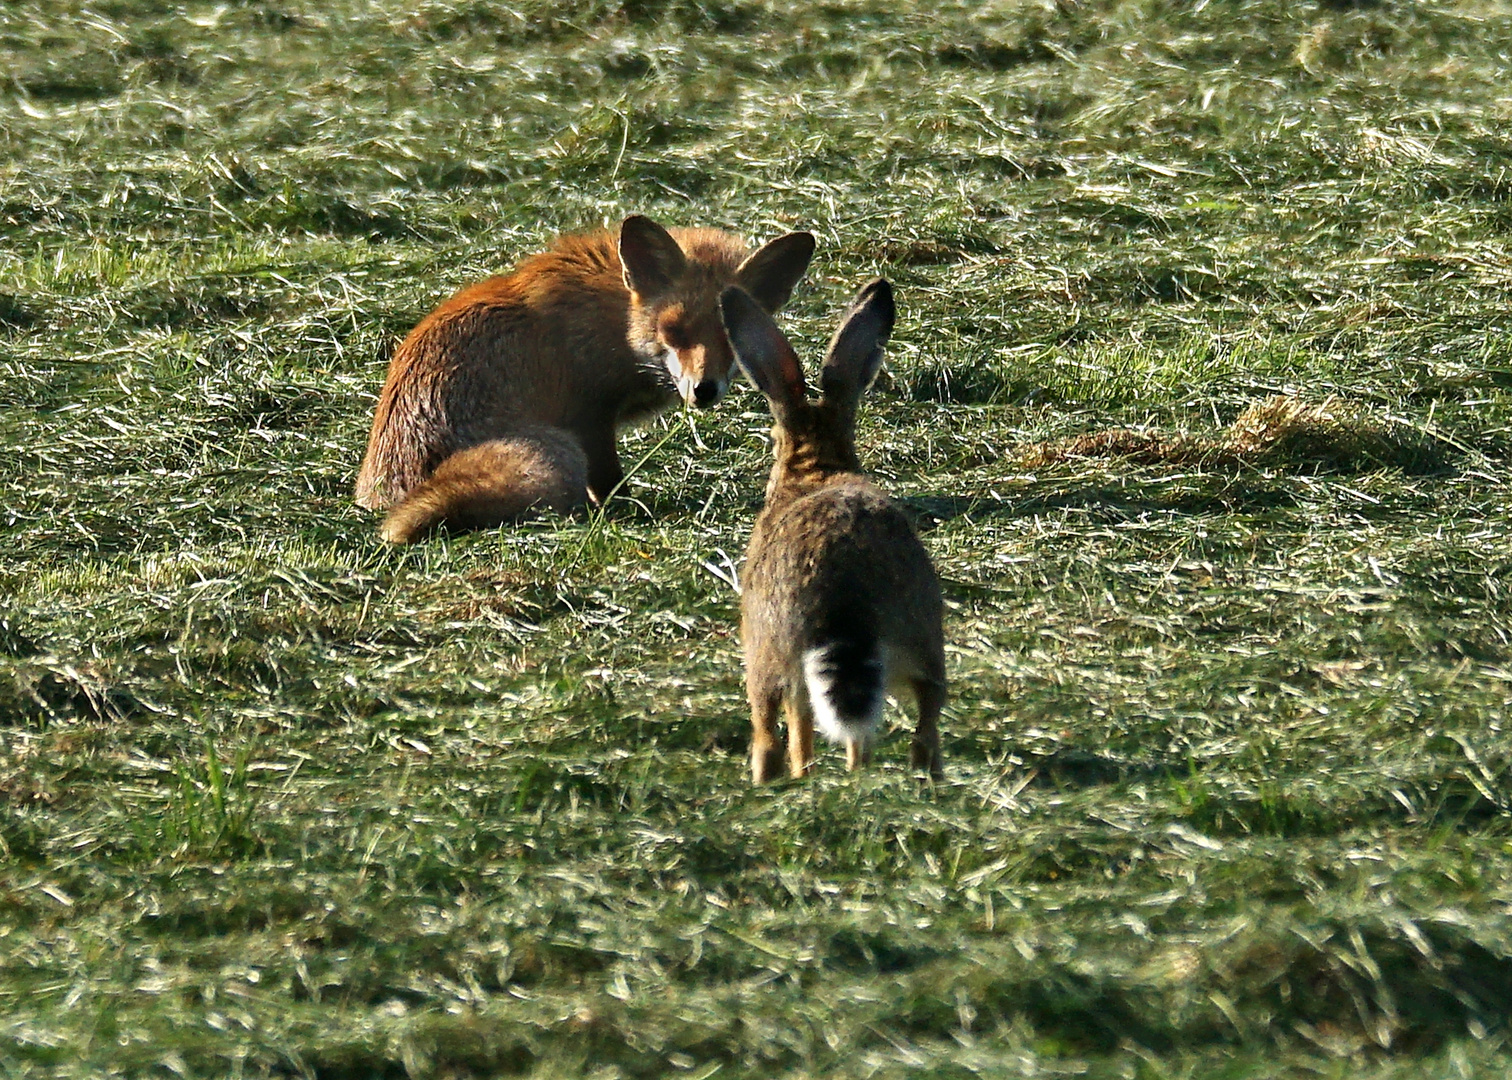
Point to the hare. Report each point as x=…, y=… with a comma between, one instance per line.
x=840, y=604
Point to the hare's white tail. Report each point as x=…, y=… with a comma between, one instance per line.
x=846, y=689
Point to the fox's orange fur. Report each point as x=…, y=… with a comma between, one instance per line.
x=509, y=395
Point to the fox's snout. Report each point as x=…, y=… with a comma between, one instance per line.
x=702, y=393
x=698, y=383
x=708, y=392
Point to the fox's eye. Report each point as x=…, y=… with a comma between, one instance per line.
x=675, y=335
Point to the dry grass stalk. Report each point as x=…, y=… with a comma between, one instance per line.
x=1281, y=431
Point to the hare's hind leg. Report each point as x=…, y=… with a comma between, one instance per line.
x=924, y=753
x=800, y=731
x=766, y=751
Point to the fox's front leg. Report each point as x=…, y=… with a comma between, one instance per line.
x=604, y=471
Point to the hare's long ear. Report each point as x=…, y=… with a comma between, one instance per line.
x=855, y=352
x=770, y=274
x=764, y=354
x=652, y=261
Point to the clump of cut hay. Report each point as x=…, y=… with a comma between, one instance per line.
x=1332, y=433
x=1140, y=447
x=1281, y=431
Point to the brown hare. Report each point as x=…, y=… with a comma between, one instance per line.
x=840, y=603
x=509, y=395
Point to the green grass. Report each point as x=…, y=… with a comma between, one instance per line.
x=1227, y=785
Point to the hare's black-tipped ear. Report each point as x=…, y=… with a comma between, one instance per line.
x=763, y=353
x=651, y=258
x=855, y=352
x=770, y=274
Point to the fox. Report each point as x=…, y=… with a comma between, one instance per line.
x=509, y=396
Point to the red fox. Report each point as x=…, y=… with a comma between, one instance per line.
x=509, y=395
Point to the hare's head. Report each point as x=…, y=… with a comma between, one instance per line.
x=674, y=296
x=812, y=437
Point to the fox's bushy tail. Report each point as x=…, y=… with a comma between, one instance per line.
x=494, y=482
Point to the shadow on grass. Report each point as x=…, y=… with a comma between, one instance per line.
x=1445, y=797
x=1349, y=987
x=1081, y=769
x=1108, y=501
x=15, y=314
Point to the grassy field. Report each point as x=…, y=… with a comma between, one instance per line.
x=1227, y=754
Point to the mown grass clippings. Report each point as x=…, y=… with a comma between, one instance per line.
x=1199, y=392
x=1279, y=432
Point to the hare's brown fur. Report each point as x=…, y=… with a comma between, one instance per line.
x=834, y=570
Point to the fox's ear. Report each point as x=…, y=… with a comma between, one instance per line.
x=763, y=353
x=770, y=274
x=855, y=352
x=651, y=258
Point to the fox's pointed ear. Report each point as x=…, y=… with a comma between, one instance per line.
x=763, y=353
x=855, y=352
x=770, y=274
x=651, y=258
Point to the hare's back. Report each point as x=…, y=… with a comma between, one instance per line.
x=844, y=551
